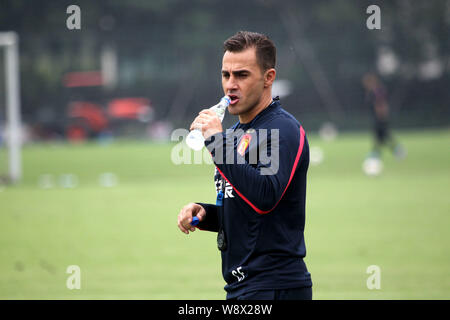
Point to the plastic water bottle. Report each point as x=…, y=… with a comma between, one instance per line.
x=195, y=139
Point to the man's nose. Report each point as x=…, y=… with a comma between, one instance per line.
x=231, y=84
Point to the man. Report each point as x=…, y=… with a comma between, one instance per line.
x=376, y=97
x=259, y=213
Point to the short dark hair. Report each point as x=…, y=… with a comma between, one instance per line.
x=265, y=49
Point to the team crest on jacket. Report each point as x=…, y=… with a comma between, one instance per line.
x=244, y=143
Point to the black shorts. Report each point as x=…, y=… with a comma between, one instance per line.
x=279, y=294
x=381, y=131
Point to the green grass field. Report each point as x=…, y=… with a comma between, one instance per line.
x=127, y=244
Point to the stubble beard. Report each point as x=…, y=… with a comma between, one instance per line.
x=246, y=110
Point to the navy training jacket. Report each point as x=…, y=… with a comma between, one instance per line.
x=260, y=179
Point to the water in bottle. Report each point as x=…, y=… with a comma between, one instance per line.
x=195, y=139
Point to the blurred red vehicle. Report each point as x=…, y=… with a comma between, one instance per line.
x=88, y=119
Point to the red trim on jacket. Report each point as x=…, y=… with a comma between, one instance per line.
x=297, y=158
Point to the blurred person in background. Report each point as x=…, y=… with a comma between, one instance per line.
x=376, y=99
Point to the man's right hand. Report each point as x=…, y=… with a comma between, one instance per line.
x=187, y=213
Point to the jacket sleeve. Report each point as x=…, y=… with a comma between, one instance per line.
x=262, y=185
x=211, y=220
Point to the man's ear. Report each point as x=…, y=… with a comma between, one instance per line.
x=269, y=77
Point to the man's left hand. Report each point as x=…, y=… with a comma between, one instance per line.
x=208, y=122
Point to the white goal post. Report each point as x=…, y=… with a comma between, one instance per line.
x=10, y=42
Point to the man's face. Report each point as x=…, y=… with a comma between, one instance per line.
x=242, y=80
